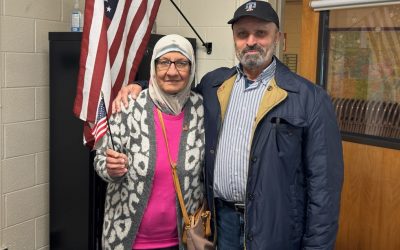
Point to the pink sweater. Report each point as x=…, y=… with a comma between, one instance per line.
x=158, y=228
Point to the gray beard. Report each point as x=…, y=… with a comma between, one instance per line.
x=255, y=61
x=252, y=62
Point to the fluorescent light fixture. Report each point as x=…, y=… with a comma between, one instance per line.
x=320, y=5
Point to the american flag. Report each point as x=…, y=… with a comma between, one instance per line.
x=114, y=39
x=100, y=127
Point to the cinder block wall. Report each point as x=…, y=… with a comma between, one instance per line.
x=24, y=120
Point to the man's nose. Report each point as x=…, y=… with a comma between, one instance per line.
x=251, y=41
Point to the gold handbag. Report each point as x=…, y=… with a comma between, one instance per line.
x=197, y=227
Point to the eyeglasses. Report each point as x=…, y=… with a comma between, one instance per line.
x=165, y=64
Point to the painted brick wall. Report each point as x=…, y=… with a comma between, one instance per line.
x=24, y=120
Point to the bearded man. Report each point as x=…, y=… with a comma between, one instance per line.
x=274, y=167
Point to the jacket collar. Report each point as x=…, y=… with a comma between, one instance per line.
x=283, y=77
x=226, y=75
x=224, y=93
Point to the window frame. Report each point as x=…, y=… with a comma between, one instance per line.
x=321, y=79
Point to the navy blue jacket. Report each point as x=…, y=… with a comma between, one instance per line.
x=295, y=168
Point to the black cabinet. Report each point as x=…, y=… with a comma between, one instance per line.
x=76, y=193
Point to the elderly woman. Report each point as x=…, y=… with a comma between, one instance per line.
x=141, y=209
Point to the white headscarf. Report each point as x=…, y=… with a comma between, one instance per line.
x=167, y=103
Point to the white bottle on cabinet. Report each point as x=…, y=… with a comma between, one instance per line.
x=76, y=17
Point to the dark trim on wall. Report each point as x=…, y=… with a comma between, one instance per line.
x=323, y=45
x=371, y=140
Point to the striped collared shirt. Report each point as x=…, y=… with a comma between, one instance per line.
x=233, y=151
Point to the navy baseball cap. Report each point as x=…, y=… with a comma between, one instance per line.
x=259, y=9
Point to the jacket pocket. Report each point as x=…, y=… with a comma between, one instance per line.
x=288, y=135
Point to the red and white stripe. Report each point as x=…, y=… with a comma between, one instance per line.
x=111, y=51
x=100, y=128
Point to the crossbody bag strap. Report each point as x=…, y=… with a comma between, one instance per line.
x=174, y=173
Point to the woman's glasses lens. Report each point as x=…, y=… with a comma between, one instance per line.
x=179, y=65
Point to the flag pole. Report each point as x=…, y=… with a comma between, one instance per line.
x=108, y=122
x=207, y=45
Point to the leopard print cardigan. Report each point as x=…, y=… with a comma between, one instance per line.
x=133, y=133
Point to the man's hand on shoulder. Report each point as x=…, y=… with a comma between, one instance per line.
x=130, y=89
